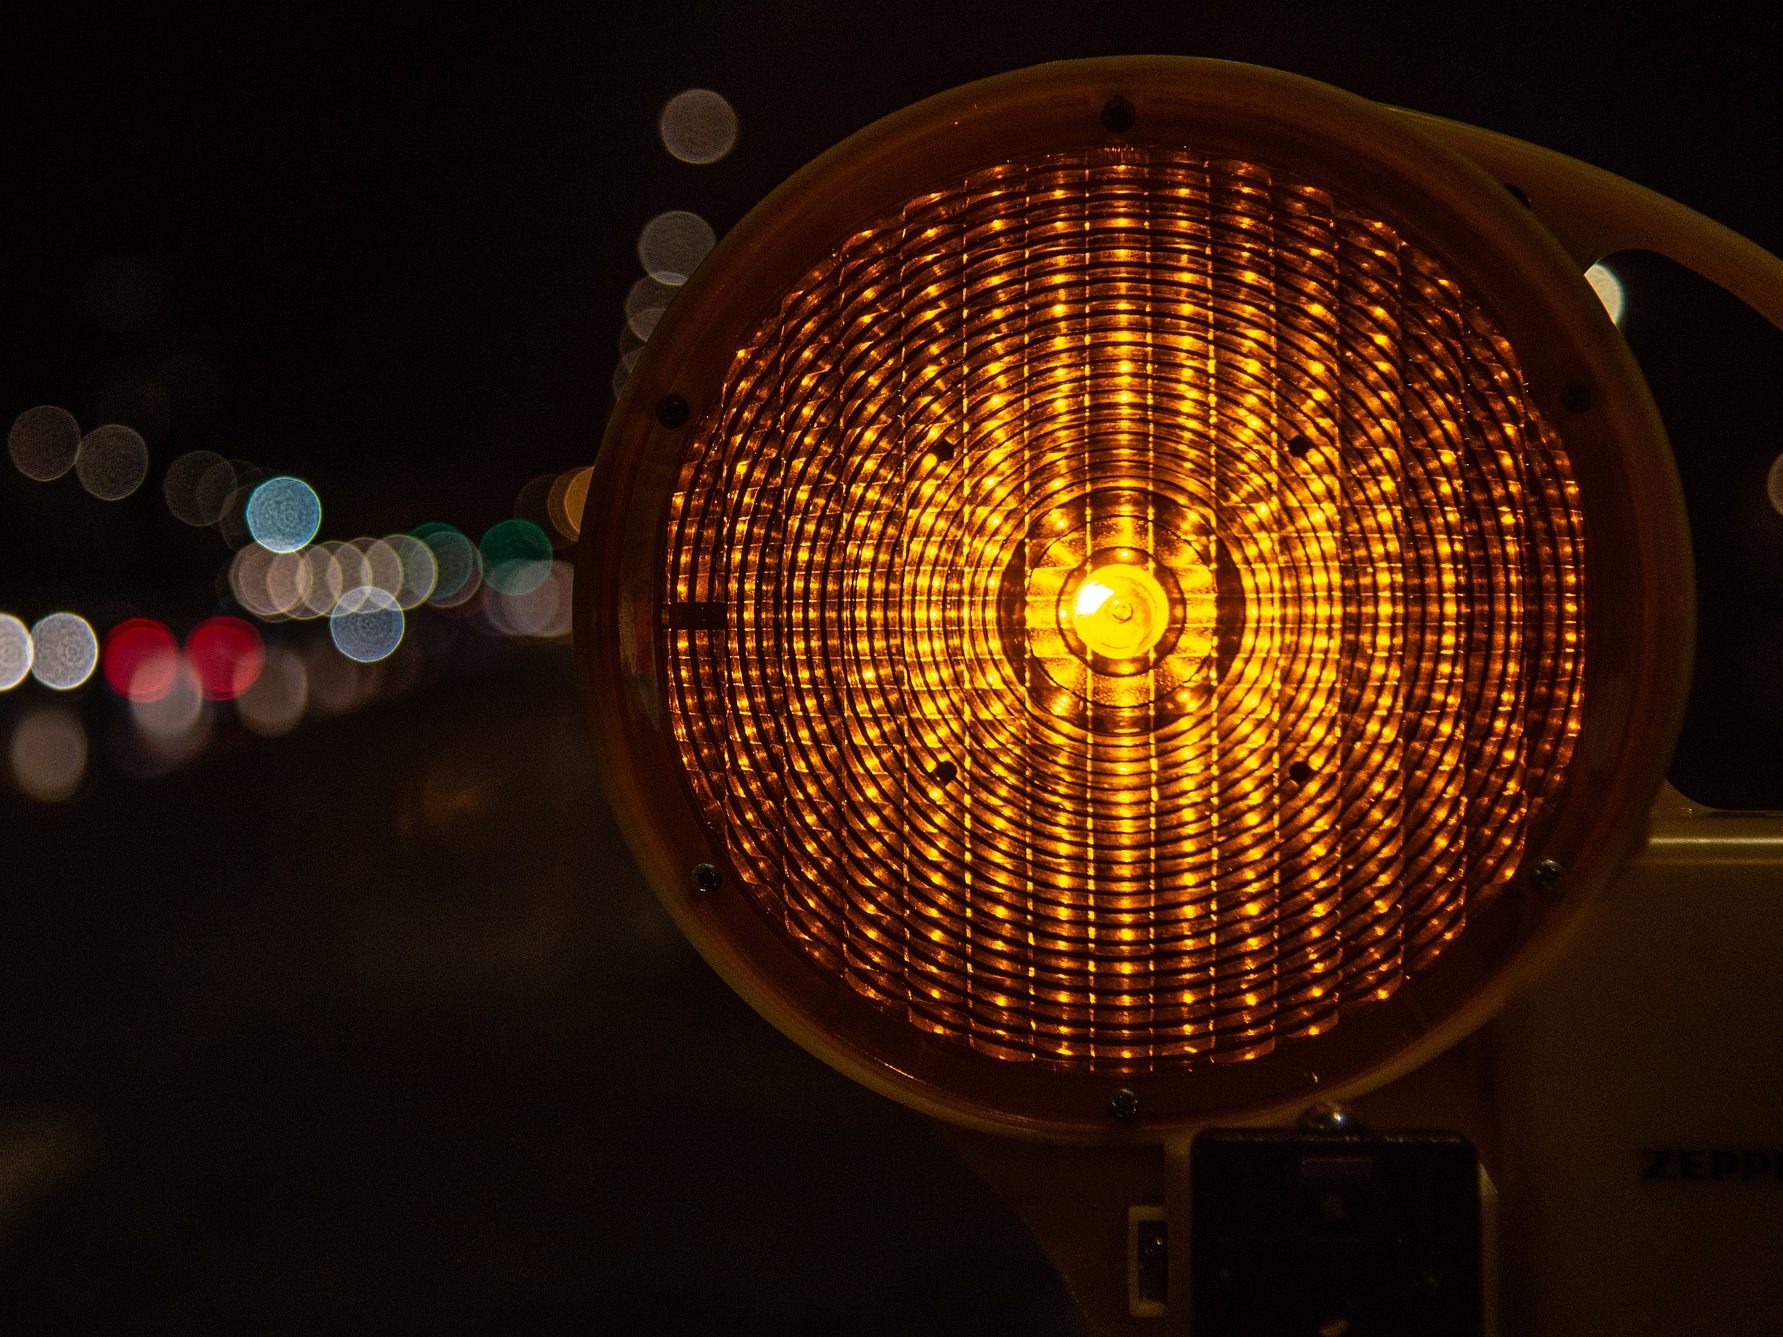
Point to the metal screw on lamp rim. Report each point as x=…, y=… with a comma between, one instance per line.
x=671, y=411
x=1118, y=115
x=1124, y=1103
x=1547, y=875
x=706, y=878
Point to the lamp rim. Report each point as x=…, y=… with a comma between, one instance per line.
x=1580, y=377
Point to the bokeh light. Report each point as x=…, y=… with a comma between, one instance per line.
x=253, y=575
x=644, y=305
x=274, y=704
x=366, y=624
x=226, y=656
x=250, y=580
x=456, y=558
x=569, y=494
x=171, y=723
x=232, y=524
x=197, y=487
x=516, y=557
x=419, y=568
x=542, y=612
x=283, y=513
x=323, y=582
x=673, y=244
x=15, y=652
x=350, y=562
x=534, y=504
x=65, y=651
x=49, y=754
x=140, y=659
x=44, y=442
x=371, y=562
x=698, y=126
x=112, y=462
x=1607, y=284
x=338, y=684
x=288, y=577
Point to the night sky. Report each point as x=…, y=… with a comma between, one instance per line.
x=373, y=1027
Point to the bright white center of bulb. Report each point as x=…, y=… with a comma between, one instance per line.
x=1120, y=611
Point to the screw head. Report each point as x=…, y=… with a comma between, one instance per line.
x=1118, y=115
x=671, y=411
x=1547, y=875
x=1576, y=397
x=1124, y=1103
x=706, y=878
x=1327, y=1117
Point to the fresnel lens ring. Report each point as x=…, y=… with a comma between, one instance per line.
x=1133, y=599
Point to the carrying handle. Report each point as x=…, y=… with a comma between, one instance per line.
x=1594, y=213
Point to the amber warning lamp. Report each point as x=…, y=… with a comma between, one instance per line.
x=1141, y=594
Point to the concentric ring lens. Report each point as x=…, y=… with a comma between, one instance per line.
x=1122, y=610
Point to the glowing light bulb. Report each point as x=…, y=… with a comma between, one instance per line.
x=1120, y=611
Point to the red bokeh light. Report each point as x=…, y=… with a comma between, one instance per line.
x=226, y=655
x=140, y=659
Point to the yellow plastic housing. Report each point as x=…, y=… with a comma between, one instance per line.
x=1145, y=577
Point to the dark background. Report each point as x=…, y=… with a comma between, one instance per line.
x=374, y=1028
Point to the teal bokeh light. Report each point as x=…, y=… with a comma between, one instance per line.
x=284, y=514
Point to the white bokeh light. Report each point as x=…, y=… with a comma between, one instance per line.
x=366, y=624
x=65, y=651
x=274, y=705
x=112, y=462
x=672, y=245
x=283, y=514
x=1607, y=285
x=16, y=652
x=44, y=442
x=698, y=126
x=49, y=754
